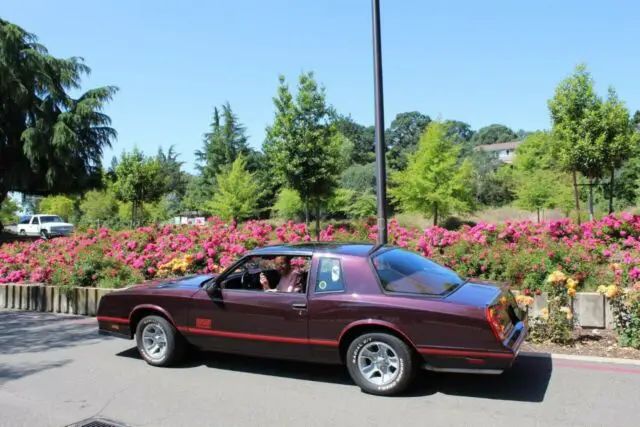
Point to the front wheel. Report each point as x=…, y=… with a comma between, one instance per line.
x=381, y=364
x=158, y=341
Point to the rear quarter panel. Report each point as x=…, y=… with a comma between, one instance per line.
x=426, y=322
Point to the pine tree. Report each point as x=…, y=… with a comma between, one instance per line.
x=237, y=192
x=225, y=141
x=434, y=184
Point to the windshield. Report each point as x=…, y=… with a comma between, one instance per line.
x=50, y=218
x=403, y=271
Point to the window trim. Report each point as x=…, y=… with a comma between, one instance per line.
x=245, y=259
x=317, y=272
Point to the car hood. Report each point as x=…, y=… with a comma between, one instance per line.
x=188, y=282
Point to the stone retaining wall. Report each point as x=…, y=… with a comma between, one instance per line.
x=590, y=308
x=83, y=301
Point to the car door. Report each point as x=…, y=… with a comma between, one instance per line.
x=251, y=321
x=34, y=226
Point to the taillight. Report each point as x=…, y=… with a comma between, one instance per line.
x=496, y=325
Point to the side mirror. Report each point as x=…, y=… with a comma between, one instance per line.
x=215, y=291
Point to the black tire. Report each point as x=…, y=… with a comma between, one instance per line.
x=22, y=233
x=44, y=235
x=404, y=373
x=175, y=344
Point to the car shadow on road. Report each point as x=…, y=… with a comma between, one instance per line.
x=33, y=332
x=527, y=381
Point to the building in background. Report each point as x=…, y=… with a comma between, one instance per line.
x=504, y=150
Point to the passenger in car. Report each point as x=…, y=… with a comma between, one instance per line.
x=290, y=279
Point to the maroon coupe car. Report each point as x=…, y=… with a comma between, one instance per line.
x=382, y=310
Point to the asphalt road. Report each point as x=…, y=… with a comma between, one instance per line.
x=55, y=370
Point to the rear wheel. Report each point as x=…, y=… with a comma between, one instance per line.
x=381, y=364
x=158, y=341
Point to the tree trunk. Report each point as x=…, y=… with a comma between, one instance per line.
x=133, y=214
x=306, y=211
x=611, y=191
x=591, y=214
x=318, y=219
x=576, y=194
x=538, y=210
x=435, y=214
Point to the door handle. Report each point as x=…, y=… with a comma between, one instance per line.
x=300, y=306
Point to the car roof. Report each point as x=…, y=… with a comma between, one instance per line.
x=361, y=249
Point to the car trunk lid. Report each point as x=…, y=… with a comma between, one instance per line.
x=501, y=309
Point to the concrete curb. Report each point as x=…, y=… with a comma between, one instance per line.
x=576, y=358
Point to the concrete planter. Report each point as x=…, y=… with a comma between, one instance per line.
x=590, y=309
x=39, y=297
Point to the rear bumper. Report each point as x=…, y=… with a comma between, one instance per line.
x=476, y=361
x=515, y=340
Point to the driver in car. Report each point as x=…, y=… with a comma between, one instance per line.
x=290, y=279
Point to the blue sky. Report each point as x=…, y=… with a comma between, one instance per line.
x=480, y=62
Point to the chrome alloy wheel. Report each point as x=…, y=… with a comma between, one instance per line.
x=378, y=363
x=154, y=341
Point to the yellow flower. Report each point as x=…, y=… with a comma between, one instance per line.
x=614, y=266
x=569, y=316
x=571, y=284
x=612, y=291
x=565, y=309
x=571, y=292
x=602, y=289
x=544, y=313
x=557, y=277
x=523, y=299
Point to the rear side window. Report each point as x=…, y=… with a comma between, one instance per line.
x=403, y=271
x=329, y=277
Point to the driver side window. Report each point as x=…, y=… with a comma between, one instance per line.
x=272, y=273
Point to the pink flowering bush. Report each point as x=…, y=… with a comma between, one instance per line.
x=522, y=253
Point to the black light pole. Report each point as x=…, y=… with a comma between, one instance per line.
x=381, y=175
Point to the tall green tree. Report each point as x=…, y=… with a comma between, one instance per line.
x=59, y=204
x=302, y=145
x=403, y=135
x=434, y=184
x=224, y=142
x=176, y=179
x=50, y=141
x=539, y=181
x=99, y=208
x=619, y=139
x=8, y=211
x=237, y=193
x=362, y=137
x=540, y=189
x=574, y=112
x=493, y=134
x=461, y=134
x=594, y=136
x=139, y=179
x=636, y=120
